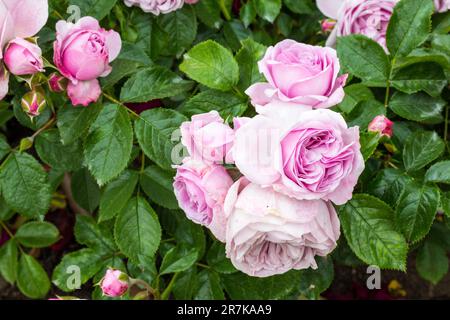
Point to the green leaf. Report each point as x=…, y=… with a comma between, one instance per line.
x=226, y=103
x=416, y=210
x=218, y=260
x=154, y=131
x=185, y=285
x=427, y=76
x=208, y=286
x=5, y=212
x=409, y=26
x=116, y=195
x=178, y=259
x=369, y=229
x=248, y=13
x=421, y=149
x=4, y=147
x=108, y=145
x=55, y=154
x=152, y=83
x=9, y=261
x=240, y=286
x=439, y=172
x=247, y=59
x=94, y=8
x=158, y=186
x=32, y=280
x=209, y=13
x=389, y=185
x=418, y=107
x=84, y=263
x=300, y=7
x=73, y=122
x=364, y=58
x=314, y=282
x=211, y=65
x=24, y=185
x=354, y=94
x=364, y=113
x=369, y=143
x=37, y=234
x=432, y=262
x=181, y=29
x=85, y=190
x=445, y=203
x=268, y=9
x=234, y=33
x=93, y=235
x=137, y=230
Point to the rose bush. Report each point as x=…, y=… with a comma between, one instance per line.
x=175, y=149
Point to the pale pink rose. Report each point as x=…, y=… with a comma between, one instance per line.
x=269, y=233
x=208, y=138
x=309, y=155
x=300, y=75
x=156, y=7
x=23, y=57
x=82, y=53
x=442, y=5
x=367, y=17
x=382, y=125
x=21, y=18
x=201, y=190
x=115, y=283
x=84, y=92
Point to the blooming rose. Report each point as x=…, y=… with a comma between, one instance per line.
x=367, y=17
x=83, y=52
x=207, y=138
x=201, y=190
x=23, y=57
x=115, y=283
x=382, y=125
x=299, y=74
x=442, y=5
x=312, y=155
x=156, y=6
x=269, y=233
x=19, y=19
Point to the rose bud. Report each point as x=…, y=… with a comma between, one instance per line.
x=33, y=103
x=382, y=125
x=115, y=283
x=57, y=82
x=156, y=7
x=327, y=25
x=23, y=57
x=191, y=1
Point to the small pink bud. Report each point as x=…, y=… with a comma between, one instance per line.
x=57, y=82
x=327, y=25
x=33, y=103
x=23, y=57
x=191, y=1
x=115, y=283
x=382, y=125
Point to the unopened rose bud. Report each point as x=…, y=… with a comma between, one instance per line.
x=382, y=125
x=33, y=103
x=115, y=283
x=327, y=25
x=57, y=82
x=23, y=57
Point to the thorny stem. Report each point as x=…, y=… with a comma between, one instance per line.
x=45, y=127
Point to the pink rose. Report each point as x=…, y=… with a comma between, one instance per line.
x=382, y=125
x=308, y=156
x=23, y=57
x=442, y=5
x=156, y=6
x=19, y=19
x=269, y=233
x=201, y=190
x=368, y=17
x=191, y=1
x=82, y=53
x=207, y=138
x=299, y=74
x=84, y=92
x=115, y=283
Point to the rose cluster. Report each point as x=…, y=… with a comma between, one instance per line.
x=266, y=185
